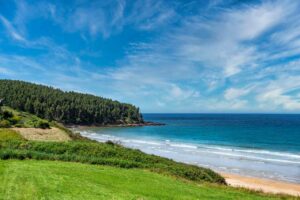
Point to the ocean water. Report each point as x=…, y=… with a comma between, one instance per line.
x=257, y=145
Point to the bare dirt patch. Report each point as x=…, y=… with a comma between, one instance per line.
x=37, y=134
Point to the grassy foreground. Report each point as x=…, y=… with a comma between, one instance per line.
x=31, y=179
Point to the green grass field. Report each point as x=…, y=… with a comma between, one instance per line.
x=29, y=179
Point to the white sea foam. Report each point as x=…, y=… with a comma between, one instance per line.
x=183, y=145
x=269, y=164
x=255, y=151
x=254, y=154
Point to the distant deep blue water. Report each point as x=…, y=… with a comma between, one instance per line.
x=262, y=131
x=263, y=145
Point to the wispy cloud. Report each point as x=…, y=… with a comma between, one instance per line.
x=13, y=33
x=148, y=15
x=205, y=52
x=177, y=57
x=234, y=93
x=110, y=17
x=6, y=72
x=225, y=41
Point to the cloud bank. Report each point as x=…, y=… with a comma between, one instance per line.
x=217, y=56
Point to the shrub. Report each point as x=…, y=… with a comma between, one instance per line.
x=109, y=142
x=6, y=114
x=19, y=125
x=4, y=124
x=42, y=124
x=15, y=119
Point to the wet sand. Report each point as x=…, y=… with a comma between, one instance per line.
x=265, y=185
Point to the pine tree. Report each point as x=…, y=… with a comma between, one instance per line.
x=66, y=107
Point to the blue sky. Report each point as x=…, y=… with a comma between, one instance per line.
x=163, y=56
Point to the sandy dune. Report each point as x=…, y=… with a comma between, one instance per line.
x=53, y=134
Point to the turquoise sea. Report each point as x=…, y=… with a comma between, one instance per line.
x=258, y=145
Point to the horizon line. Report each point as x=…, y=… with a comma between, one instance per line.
x=243, y=113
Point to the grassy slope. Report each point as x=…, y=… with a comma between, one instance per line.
x=103, y=154
x=27, y=120
x=58, y=180
x=6, y=135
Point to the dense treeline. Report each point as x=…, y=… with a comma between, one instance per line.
x=66, y=107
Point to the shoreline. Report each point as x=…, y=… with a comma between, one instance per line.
x=261, y=184
x=114, y=125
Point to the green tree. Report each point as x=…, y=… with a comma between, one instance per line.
x=66, y=107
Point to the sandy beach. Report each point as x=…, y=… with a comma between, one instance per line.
x=265, y=185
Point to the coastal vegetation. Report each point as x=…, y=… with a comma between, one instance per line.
x=8, y=135
x=12, y=118
x=66, y=107
x=17, y=144
x=108, y=154
x=83, y=150
x=34, y=128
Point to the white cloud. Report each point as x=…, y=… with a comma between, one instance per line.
x=277, y=93
x=11, y=30
x=277, y=98
x=233, y=93
x=5, y=72
x=110, y=17
x=214, y=61
x=224, y=41
x=206, y=52
x=94, y=20
x=148, y=14
x=178, y=94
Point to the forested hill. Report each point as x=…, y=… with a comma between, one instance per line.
x=66, y=107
